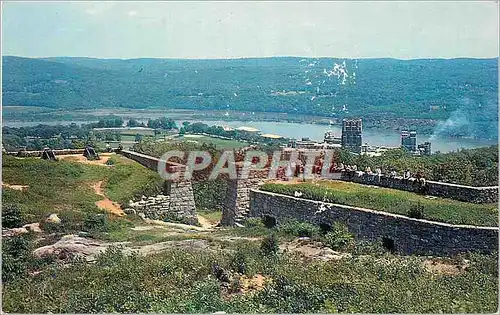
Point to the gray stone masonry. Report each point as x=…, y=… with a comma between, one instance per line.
x=237, y=203
x=438, y=189
x=409, y=236
x=178, y=202
x=22, y=153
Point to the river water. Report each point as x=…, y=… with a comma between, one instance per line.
x=316, y=132
x=374, y=137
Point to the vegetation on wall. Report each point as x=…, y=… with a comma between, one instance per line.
x=473, y=167
x=391, y=200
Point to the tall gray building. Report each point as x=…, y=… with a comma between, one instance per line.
x=425, y=148
x=409, y=140
x=352, y=133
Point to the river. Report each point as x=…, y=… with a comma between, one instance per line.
x=374, y=137
x=316, y=132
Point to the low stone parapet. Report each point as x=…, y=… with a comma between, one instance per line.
x=433, y=188
x=405, y=235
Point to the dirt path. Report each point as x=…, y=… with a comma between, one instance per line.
x=81, y=159
x=204, y=222
x=106, y=203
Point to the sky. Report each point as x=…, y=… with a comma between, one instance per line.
x=404, y=30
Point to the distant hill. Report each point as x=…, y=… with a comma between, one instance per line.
x=465, y=91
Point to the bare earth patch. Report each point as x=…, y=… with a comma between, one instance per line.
x=312, y=250
x=106, y=203
x=251, y=284
x=81, y=159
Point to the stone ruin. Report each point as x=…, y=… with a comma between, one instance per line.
x=175, y=204
x=164, y=207
x=90, y=153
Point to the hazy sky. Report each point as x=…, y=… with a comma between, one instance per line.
x=251, y=29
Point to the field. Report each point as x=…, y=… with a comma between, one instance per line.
x=67, y=186
x=146, y=266
x=393, y=201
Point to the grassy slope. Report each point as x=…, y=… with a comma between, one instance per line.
x=391, y=200
x=182, y=281
x=65, y=187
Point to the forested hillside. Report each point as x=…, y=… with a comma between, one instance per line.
x=464, y=91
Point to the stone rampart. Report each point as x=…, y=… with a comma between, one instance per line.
x=237, y=202
x=164, y=207
x=23, y=153
x=405, y=235
x=438, y=189
x=180, y=191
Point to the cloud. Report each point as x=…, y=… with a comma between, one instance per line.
x=132, y=13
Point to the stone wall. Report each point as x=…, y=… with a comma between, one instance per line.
x=180, y=192
x=148, y=161
x=409, y=236
x=237, y=202
x=163, y=207
x=438, y=189
x=23, y=153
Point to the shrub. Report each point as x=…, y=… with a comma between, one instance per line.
x=254, y=222
x=339, y=237
x=94, y=222
x=239, y=261
x=300, y=229
x=14, y=256
x=71, y=221
x=270, y=245
x=416, y=212
x=12, y=216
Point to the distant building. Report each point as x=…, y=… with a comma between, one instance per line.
x=306, y=143
x=352, y=133
x=409, y=140
x=375, y=150
x=425, y=148
x=331, y=139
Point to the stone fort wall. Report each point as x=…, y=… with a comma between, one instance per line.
x=438, y=189
x=408, y=235
x=177, y=198
x=22, y=153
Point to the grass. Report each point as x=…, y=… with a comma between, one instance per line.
x=181, y=281
x=54, y=187
x=128, y=179
x=65, y=187
x=391, y=200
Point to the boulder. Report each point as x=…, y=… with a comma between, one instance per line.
x=33, y=227
x=71, y=246
x=53, y=218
